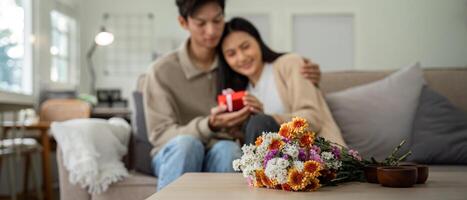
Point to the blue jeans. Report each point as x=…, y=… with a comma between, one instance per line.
x=186, y=153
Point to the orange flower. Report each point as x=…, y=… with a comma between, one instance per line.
x=295, y=179
x=307, y=139
x=285, y=131
x=258, y=180
x=264, y=179
x=286, y=187
x=299, y=123
x=313, y=185
x=312, y=167
x=259, y=140
x=276, y=144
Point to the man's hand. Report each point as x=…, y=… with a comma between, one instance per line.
x=311, y=72
x=220, y=119
x=253, y=103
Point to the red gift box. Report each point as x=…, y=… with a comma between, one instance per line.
x=233, y=100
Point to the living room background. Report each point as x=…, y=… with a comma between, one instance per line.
x=388, y=34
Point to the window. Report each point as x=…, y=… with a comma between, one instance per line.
x=62, y=48
x=15, y=49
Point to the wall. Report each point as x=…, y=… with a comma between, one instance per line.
x=388, y=34
x=91, y=12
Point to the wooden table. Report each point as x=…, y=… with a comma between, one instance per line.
x=43, y=128
x=448, y=182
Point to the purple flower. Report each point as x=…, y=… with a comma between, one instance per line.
x=337, y=152
x=316, y=149
x=315, y=156
x=285, y=157
x=271, y=154
x=286, y=140
x=301, y=154
x=355, y=154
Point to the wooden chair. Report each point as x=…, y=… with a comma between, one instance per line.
x=64, y=109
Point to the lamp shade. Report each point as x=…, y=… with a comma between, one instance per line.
x=104, y=38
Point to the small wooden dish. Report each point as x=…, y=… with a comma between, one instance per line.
x=371, y=173
x=400, y=176
x=422, y=172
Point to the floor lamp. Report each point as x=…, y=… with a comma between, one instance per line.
x=103, y=38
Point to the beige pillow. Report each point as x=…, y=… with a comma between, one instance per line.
x=374, y=118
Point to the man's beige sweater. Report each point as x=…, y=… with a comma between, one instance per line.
x=178, y=97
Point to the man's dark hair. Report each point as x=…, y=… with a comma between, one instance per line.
x=189, y=7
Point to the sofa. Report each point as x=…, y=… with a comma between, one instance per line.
x=450, y=82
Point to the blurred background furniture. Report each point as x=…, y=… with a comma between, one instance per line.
x=57, y=110
x=63, y=109
x=14, y=146
x=52, y=110
x=140, y=184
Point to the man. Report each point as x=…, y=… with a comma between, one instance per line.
x=179, y=93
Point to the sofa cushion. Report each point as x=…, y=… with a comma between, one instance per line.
x=141, y=157
x=376, y=117
x=439, y=133
x=135, y=186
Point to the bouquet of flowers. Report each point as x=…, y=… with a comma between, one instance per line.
x=294, y=159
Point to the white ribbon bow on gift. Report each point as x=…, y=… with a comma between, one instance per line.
x=228, y=98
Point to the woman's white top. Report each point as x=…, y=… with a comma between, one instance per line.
x=266, y=91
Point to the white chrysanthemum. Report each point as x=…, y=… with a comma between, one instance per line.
x=330, y=160
x=268, y=137
x=249, y=171
x=276, y=169
x=250, y=161
x=327, y=156
x=279, y=162
x=248, y=149
x=276, y=173
x=334, y=164
x=298, y=165
x=236, y=164
x=291, y=150
x=283, y=163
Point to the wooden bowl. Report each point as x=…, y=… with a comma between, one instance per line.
x=399, y=176
x=371, y=173
x=422, y=172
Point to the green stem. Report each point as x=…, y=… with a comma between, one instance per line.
x=404, y=156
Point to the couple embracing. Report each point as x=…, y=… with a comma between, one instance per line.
x=190, y=132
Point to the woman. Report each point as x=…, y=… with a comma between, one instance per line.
x=276, y=90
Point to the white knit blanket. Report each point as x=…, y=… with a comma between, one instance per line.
x=92, y=151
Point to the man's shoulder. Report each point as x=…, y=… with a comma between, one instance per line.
x=289, y=58
x=165, y=62
x=288, y=62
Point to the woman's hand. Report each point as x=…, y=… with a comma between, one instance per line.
x=253, y=104
x=311, y=71
x=220, y=119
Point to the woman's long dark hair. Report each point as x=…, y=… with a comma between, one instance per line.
x=228, y=78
